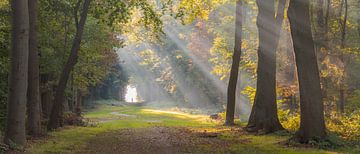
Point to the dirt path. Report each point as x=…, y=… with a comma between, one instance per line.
x=157, y=140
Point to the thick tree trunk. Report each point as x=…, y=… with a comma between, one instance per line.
x=312, y=125
x=18, y=78
x=264, y=115
x=234, y=73
x=34, y=104
x=57, y=110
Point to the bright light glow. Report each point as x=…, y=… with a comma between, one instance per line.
x=196, y=117
x=131, y=94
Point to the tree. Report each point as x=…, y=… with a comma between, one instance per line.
x=342, y=86
x=56, y=112
x=18, y=78
x=33, y=94
x=264, y=112
x=312, y=124
x=231, y=94
x=358, y=20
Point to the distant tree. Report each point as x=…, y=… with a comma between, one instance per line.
x=33, y=94
x=312, y=124
x=56, y=112
x=264, y=112
x=234, y=73
x=342, y=86
x=358, y=20
x=18, y=78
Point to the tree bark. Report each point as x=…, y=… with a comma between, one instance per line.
x=46, y=96
x=34, y=104
x=322, y=39
x=327, y=16
x=320, y=13
x=234, y=73
x=78, y=103
x=312, y=124
x=342, y=89
x=57, y=110
x=264, y=115
x=18, y=78
x=358, y=21
x=46, y=103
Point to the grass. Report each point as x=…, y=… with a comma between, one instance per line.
x=68, y=139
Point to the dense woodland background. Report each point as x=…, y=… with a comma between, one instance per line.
x=181, y=53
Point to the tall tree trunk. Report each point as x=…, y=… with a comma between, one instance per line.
x=342, y=89
x=18, y=78
x=327, y=17
x=323, y=40
x=312, y=124
x=46, y=96
x=234, y=73
x=78, y=103
x=358, y=21
x=57, y=110
x=264, y=116
x=34, y=104
x=46, y=103
x=320, y=13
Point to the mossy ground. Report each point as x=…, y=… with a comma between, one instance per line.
x=106, y=124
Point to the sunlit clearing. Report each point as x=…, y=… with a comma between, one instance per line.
x=199, y=118
x=131, y=94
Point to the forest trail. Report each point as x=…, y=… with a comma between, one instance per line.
x=141, y=129
x=157, y=140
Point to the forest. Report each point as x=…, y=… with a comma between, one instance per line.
x=180, y=76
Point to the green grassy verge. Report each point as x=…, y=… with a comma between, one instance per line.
x=106, y=119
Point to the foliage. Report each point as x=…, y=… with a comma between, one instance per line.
x=136, y=20
x=189, y=10
x=113, y=86
x=107, y=21
x=250, y=92
x=150, y=59
x=97, y=56
x=4, y=57
x=72, y=119
x=289, y=121
x=353, y=105
x=347, y=126
x=114, y=23
x=222, y=55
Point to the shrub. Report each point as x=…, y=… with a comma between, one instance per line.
x=289, y=121
x=353, y=103
x=71, y=118
x=347, y=126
